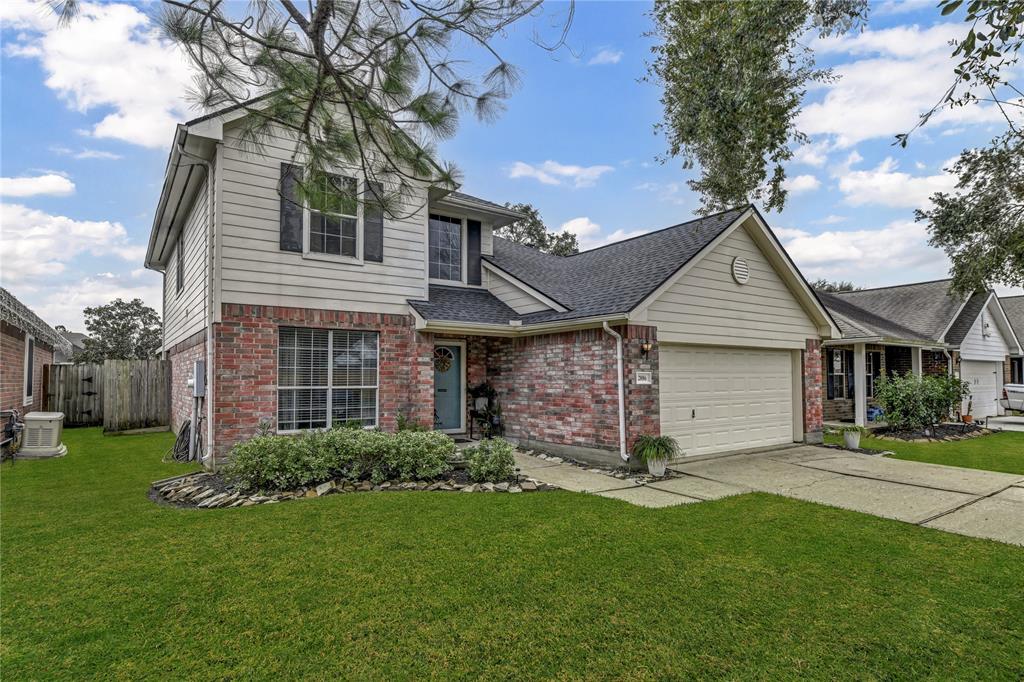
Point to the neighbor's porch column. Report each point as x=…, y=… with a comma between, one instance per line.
x=915, y=360
x=860, y=371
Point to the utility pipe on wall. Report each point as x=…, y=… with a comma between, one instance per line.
x=622, y=392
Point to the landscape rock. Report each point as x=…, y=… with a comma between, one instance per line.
x=324, y=488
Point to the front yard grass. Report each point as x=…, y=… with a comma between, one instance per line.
x=99, y=582
x=997, y=452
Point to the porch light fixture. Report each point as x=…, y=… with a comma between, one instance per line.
x=646, y=346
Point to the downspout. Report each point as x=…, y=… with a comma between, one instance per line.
x=622, y=391
x=208, y=302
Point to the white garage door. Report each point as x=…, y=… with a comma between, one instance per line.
x=717, y=399
x=984, y=378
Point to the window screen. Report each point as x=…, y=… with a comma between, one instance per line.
x=333, y=230
x=445, y=248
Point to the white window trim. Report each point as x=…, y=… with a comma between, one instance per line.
x=28, y=380
x=330, y=380
x=307, y=233
x=463, y=250
x=462, y=382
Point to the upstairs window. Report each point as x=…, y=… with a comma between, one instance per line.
x=326, y=378
x=334, y=229
x=445, y=247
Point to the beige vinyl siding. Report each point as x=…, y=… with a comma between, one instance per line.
x=511, y=295
x=184, y=311
x=976, y=346
x=486, y=239
x=255, y=270
x=707, y=306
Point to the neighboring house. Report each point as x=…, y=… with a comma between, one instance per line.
x=307, y=322
x=26, y=345
x=920, y=328
x=77, y=344
x=1013, y=306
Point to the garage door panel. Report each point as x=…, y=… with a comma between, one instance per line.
x=717, y=400
x=984, y=379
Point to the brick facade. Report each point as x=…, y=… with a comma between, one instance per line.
x=842, y=409
x=934, y=363
x=12, y=371
x=812, y=390
x=245, y=360
x=183, y=357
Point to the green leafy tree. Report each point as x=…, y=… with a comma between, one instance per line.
x=121, y=330
x=357, y=84
x=531, y=231
x=734, y=73
x=830, y=286
x=981, y=225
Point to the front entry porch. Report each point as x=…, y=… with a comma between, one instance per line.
x=850, y=372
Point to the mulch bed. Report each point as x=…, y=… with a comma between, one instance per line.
x=205, y=490
x=940, y=433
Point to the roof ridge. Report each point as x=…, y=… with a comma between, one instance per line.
x=659, y=230
x=1007, y=298
x=892, y=286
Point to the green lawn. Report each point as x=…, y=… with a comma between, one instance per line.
x=98, y=582
x=997, y=452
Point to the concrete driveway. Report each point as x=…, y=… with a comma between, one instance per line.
x=983, y=504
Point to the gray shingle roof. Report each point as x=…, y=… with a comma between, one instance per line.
x=965, y=320
x=1013, y=306
x=912, y=312
x=460, y=304
x=611, y=279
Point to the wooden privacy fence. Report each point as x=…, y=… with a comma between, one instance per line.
x=123, y=395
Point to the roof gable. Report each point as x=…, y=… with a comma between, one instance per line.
x=1013, y=307
x=912, y=312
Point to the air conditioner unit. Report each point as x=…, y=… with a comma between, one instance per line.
x=42, y=435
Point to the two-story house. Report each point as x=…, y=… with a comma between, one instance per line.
x=704, y=330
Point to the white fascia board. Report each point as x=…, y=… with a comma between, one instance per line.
x=479, y=329
x=546, y=300
x=1013, y=343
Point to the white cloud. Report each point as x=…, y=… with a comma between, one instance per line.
x=37, y=245
x=50, y=184
x=831, y=219
x=801, y=184
x=672, y=192
x=110, y=57
x=812, y=154
x=554, y=173
x=896, y=253
x=85, y=153
x=588, y=233
x=63, y=302
x=896, y=75
x=605, y=56
x=885, y=185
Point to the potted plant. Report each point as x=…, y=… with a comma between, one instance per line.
x=655, y=451
x=966, y=416
x=851, y=436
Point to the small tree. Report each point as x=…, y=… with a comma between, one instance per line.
x=531, y=231
x=121, y=330
x=822, y=284
x=912, y=402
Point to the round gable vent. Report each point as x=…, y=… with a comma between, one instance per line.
x=740, y=270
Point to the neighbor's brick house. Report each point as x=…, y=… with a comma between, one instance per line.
x=25, y=341
x=307, y=320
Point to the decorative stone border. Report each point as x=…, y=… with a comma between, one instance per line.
x=204, y=490
x=948, y=438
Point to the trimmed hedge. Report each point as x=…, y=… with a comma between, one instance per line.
x=491, y=460
x=272, y=462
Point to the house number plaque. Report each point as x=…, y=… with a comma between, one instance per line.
x=644, y=378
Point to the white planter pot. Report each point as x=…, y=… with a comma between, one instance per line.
x=656, y=467
x=851, y=439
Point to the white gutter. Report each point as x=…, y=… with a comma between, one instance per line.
x=211, y=450
x=622, y=392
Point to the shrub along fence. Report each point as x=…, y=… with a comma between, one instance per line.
x=123, y=395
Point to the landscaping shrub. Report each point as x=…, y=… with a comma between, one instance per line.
x=491, y=460
x=271, y=462
x=912, y=402
x=417, y=454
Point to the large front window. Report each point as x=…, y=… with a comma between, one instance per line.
x=333, y=230
x=326, y=378
x=445, y=248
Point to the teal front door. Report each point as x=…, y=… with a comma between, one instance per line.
x=448, y=400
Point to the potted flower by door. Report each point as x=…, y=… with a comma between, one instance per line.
x=851, y=437
x=655, y=452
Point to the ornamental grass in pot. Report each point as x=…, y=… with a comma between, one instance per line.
x=655, y=452
x=851, y=437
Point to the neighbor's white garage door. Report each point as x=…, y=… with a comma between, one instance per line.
x=717, y=399
x=985, y=379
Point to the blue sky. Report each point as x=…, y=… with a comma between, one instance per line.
x=88, y=114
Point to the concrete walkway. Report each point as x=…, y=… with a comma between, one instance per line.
x=1006, y=423
x=967, y=501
